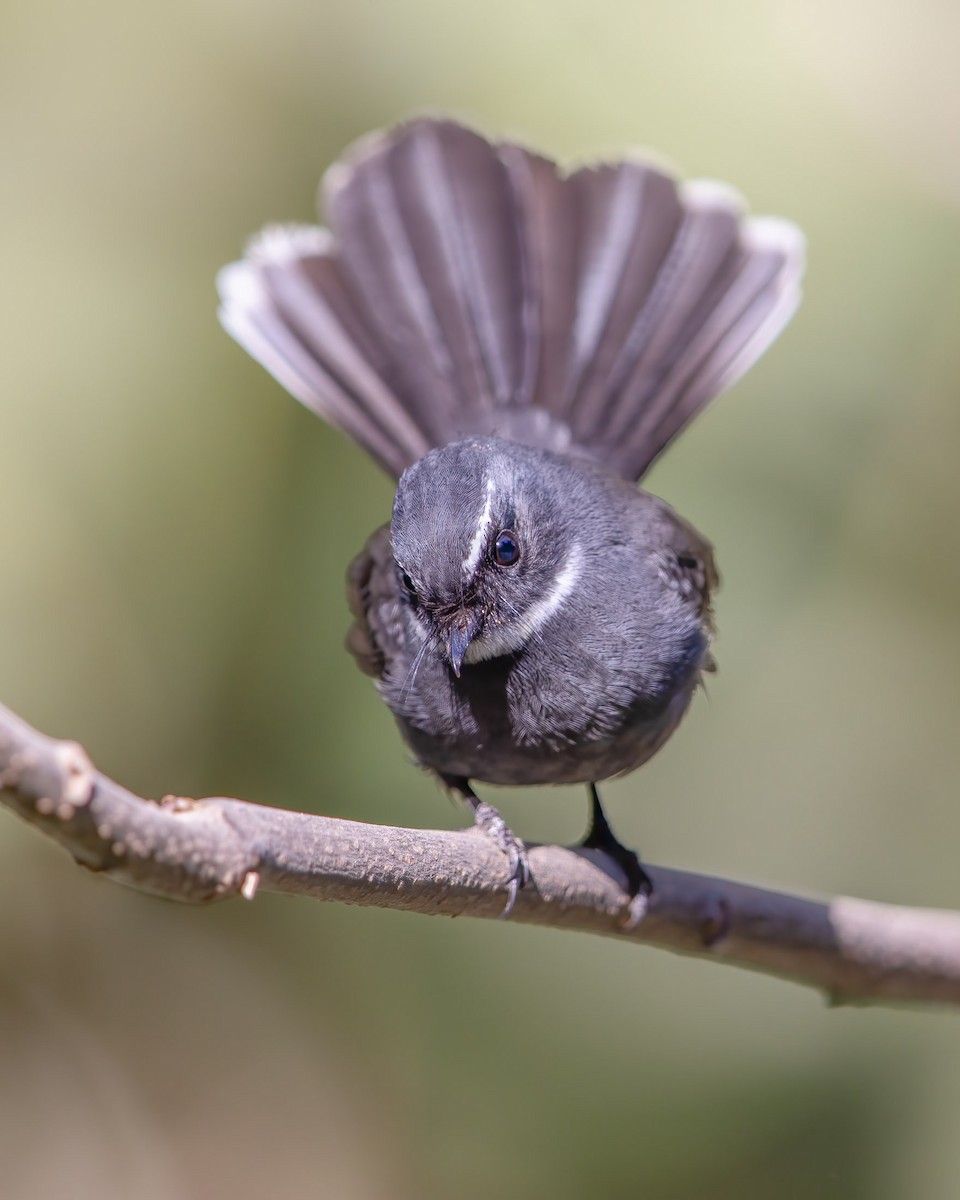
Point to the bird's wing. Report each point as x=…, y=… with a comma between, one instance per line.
x=369, y=594
x=685, y=559
x=471, y=287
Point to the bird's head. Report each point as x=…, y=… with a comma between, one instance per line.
x=484, y=549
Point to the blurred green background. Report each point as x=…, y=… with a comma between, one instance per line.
x=173, y=539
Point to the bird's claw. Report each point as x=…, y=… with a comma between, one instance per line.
x=519, y=874
x=489, y=821
x=639, y=884
x=637, y=905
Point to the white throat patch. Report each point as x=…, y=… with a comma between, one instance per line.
x=480, y=537
x=514, y=634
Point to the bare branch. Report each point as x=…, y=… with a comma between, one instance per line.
x=203, y=849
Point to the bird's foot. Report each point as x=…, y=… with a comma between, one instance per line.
x=639, y=884
x=487, y=819
x=489, y=822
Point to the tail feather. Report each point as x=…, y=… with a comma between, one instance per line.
x=287, y=306
x=404, y=312
x=548, y=217
x=702, y=249
x=735, y=319
x=428, y=230
x=629, y=216
x=473, y=288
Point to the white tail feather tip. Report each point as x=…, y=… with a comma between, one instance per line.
x=282, y=244
x=776, y=233
x=712, y=194
x=239, y=286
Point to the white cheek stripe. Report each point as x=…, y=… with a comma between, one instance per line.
x=476, y=546
x=504, y=639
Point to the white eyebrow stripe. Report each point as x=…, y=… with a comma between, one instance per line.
x=476, y=546
x=504, y=639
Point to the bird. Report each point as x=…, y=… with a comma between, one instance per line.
x=516, y=343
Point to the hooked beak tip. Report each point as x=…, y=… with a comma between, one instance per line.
x=458, y=641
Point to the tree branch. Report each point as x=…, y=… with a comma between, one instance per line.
x=198, y=850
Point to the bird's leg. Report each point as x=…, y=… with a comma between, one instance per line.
x=600, y=836
x=487, y=819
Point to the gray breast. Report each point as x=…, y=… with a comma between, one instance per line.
x=553, y=713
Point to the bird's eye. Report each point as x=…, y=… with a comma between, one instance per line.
x=408, y=584
x=506, y=549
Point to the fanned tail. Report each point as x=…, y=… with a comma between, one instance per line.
x=469, y=287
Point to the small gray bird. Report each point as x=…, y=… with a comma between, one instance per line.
x=517, y=344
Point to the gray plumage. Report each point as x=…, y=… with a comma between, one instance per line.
x=595, y=702
x=519, y=344
x=468, y=287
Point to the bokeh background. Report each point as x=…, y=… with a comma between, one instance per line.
x=173, y=536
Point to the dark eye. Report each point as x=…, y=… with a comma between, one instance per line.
x=408, y=584
x=506, y=549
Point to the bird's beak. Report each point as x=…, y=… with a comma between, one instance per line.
x=458, y=641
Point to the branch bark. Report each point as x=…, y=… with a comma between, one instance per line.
x=197, y=850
